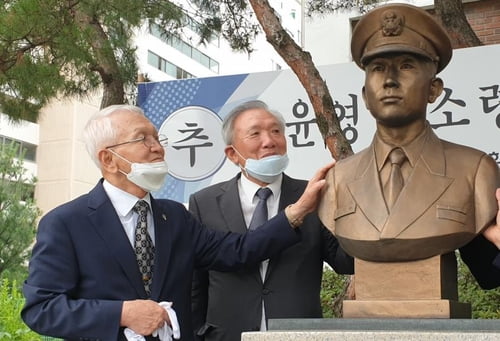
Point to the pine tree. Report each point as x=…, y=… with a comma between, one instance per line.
x=18, y=212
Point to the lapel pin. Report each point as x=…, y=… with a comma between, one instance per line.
x=164, y=216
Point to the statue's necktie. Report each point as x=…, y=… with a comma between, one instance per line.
x=143, y=245
x=395, y=182
x=260, y=216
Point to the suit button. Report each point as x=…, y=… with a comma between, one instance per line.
x=265, y=291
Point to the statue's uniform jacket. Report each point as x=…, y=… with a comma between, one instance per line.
x=447, y=200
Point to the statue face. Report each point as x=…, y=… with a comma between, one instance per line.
x=398, y=88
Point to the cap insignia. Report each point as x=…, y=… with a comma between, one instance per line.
x=392, y=23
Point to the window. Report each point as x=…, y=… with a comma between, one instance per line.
x=28, y=149
x=154, y=60
x=186, y=48
x=214, y=66
x=167, y=67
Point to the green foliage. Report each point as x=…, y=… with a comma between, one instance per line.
x=18, y=212
x=11, y=325
x=234, y=20
x=57, y=48
x=333, y=289
x=485, y=303
x=17, y=275
x=313, y=7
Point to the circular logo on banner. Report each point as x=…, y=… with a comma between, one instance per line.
x=195, y=147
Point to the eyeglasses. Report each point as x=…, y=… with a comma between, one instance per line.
x=149, y=141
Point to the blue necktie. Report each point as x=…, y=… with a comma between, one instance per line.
x=260, y=216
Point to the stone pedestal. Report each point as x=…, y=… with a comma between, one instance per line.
x=407, y=309
x=420, y=289
x=361, y=329
x=367, y=335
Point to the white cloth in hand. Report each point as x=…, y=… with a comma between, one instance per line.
x=164, y=333
x=133, y=336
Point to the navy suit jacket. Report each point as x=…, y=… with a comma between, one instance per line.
x=83, y=265
x=483, y=259
x=225, y=304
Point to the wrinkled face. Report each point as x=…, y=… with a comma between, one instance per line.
x=398, y=88
x=132, y=126
x=256, y=134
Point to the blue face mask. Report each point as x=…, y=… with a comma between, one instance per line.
x=267, y=169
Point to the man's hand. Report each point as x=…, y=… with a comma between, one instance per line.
x=492, y=233
x=143, y=316
x=308, y=202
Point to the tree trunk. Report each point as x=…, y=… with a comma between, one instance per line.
x=106, y=65
x=452, y=15
x=302, y=65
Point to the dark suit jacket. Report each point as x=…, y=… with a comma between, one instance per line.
x=483, y=260
x=83, y=265
x=225, y=304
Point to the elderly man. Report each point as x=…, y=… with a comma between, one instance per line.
x=288, y=284
x=103, y=262
x=409, y=195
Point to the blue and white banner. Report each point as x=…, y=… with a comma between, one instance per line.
x=190, y=113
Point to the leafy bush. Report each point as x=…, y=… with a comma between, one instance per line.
x=17, y=275
x=333, y=290
x=11, y=325
x=485, y=303
x=18, y=210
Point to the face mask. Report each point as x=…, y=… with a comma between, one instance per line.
x=267, y=169
x=149, y=176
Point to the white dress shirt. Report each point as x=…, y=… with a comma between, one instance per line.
x=123, y=202
x=247, y=190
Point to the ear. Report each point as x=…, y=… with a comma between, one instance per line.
x=107, y=161
x=363, y=93
x=231, y=154
x=436, y=89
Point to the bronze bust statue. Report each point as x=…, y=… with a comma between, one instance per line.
x=439, y=195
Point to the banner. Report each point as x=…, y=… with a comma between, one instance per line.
x=190, y=113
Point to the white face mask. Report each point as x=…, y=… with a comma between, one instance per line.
x=267, y=169
x=148, y=176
